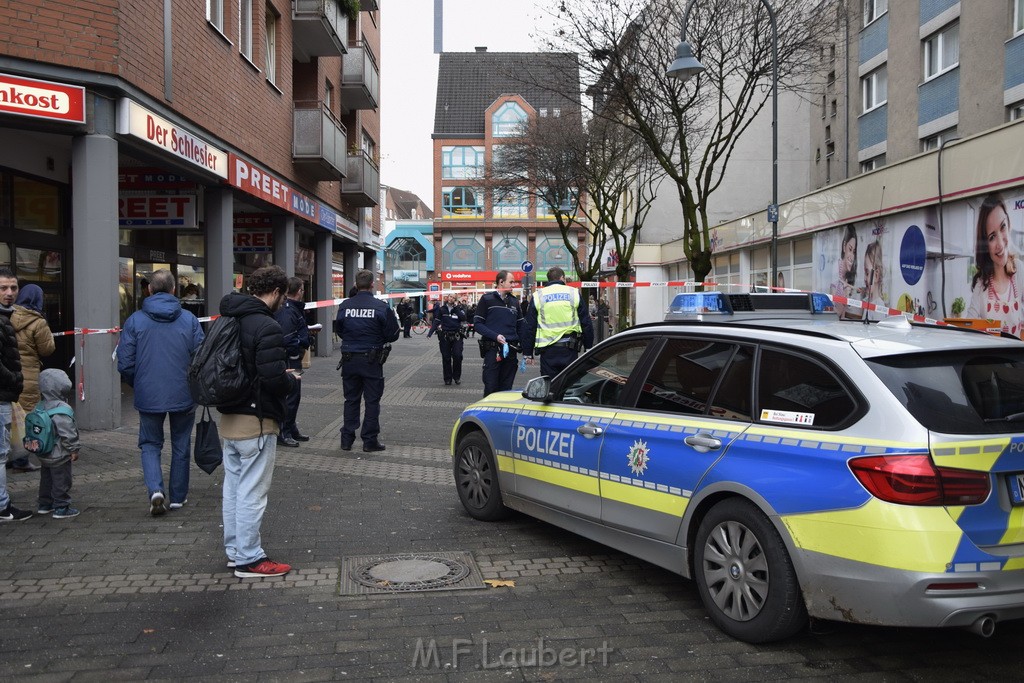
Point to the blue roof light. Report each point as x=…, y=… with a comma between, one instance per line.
x=820, y=303
x=700, y=302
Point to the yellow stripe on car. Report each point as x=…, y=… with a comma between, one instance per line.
x=668, y=503
x=571, y=480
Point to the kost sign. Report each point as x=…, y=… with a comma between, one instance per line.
x=42, y=99
x=135, y=120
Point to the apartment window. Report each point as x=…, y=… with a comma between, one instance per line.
x=942, y=51
x=1016, y=111
x=462, y=202
x=935, y=141
x=511, y=203
x=872, y=164
x=462, y=162
x=875, y=88
x=834, y=109
x=270, y=58
x=1018, y=16
x=215, y=13
x=543, y=112
x=508, y=121
x=874, y=9
x=329, y=96
x=369, y=145
x=245, y=28
x=556, y=112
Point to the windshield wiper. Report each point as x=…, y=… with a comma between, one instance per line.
x=1012, y=417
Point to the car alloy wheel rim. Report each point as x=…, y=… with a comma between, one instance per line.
x=736, y=571
x=475, y=476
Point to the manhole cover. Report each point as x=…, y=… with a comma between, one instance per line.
x=408, y=573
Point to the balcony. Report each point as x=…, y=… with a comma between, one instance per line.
x=361, y=186
x=319, y=141
x=320, y=29
x=368, y=5
x=360, y=79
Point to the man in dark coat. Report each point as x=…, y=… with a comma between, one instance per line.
x=249, y=428
x=292, y=319
x=11, y=385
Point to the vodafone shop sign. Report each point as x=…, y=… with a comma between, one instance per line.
x=42, y=99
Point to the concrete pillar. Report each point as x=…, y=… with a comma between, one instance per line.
x=351, y=252
x=323, y=288
x=94, y=217
x=284, y=243
x=220, y=247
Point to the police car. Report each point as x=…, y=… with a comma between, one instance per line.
x=793, y=465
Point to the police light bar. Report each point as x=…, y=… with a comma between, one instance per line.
x=695, y=305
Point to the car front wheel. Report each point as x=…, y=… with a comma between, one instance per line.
x=744, y=575
x=476, y=478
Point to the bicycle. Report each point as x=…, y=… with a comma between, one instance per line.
x=421, y=326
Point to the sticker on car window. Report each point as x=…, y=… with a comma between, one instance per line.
x=787, y=417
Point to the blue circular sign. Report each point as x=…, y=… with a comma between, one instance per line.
x=912, y=255
x=527, y=266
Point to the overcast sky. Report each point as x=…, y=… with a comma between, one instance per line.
x=409, y=73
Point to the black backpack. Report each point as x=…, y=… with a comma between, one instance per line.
x=219, y=375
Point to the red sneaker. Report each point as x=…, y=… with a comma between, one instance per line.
x=263, y=567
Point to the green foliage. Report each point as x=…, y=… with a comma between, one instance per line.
x=351, y=8
x=958, y=306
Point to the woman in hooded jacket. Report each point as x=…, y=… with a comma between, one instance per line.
x=35, y=341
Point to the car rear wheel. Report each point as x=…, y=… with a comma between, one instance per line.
x=476, y=478
x=744, y=575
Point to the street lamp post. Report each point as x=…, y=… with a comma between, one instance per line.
x=686, y=65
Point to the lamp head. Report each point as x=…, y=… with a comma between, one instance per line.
x=685, y=65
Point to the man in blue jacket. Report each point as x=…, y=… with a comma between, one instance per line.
x=292, y=319
x=366, y=327
x=153, y=355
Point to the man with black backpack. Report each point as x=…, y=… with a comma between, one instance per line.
x=153, y=355
x=250, y=426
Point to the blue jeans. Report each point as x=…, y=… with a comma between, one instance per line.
x=248, y=471
x=5, y=448
x=151, y=442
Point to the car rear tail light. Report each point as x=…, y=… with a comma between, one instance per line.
x=915, y=480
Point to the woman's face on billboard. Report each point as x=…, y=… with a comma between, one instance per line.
x=997, y=234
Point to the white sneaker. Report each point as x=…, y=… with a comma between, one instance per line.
x=178, y=506
x=156, y=504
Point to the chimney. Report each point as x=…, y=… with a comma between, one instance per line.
x=482, y=48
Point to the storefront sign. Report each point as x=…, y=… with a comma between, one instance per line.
x=146, y=178
x=487, y=276
x=253, y=241
x=135, y=120
x=156, y=211
x=42, y=99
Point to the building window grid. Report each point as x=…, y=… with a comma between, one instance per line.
x=551, y=252
x=1018, y=17
x=934, y=141
x=1017, y=110
x=462, y=253
x=509, y=253
x=270, y=58
x=874, y=9
x=462, y=162
x=872, y=164
x=462, y=202
x=508, y=121
x=511, y=203
x=245, y=28
x=942, y=51
x=875, y=89
x=215, y=13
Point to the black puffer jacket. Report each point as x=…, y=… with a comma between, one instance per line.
x=12, y=382
x=263, y=345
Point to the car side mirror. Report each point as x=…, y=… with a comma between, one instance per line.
x=538, y=389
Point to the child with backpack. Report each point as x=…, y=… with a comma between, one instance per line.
x=52, y=436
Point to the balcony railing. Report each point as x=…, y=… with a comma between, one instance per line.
x=360, y=79
x=319, y=141
x=361, y=186
x=320, y=29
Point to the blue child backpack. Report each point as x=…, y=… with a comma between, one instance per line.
x=40, y=434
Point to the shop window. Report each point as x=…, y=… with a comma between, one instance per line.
x=191, y=245
x=37, y=206
x=508, y=121
x=5, y=254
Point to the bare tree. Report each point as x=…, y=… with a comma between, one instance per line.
x=690, y=129
x=597, y=176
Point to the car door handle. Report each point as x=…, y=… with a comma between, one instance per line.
x=702, y=443
x=590, y=430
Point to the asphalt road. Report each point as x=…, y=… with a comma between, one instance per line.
x=115, y=594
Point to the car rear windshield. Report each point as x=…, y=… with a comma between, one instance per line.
x=958, y=393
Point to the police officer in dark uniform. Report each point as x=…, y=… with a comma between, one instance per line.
x=449, y=322
x=499, y=321
x=366, y=327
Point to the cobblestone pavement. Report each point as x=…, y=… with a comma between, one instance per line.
x=115, y=594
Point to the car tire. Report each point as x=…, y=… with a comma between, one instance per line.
x=744, y=575
x=476, y=478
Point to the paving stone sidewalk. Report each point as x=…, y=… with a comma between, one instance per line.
x=115, y=594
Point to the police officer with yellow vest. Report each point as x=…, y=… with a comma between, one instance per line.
x=557, y=324
x=366, y=327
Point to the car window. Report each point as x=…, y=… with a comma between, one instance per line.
x=732, y=398
x=684, y=375
x=958, y=393
x=799, y=391
x=599, y=378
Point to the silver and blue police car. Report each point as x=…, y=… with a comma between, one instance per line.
x=792, y=464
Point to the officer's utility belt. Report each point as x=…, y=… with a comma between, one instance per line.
x=572, y=341
x=379, y=356
x=453, y=336
x=488, y=346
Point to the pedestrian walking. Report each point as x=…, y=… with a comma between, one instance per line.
x=249, y=428
x=153, y=355
x=557, y=324
x=11, y=384
x=449, y=324
x=404, y=310
x=366, y=327
x=55, y=476
x=499, y=321
x=35, y=342
x=292, y=319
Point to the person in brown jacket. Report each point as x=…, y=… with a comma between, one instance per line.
x=35, y=342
